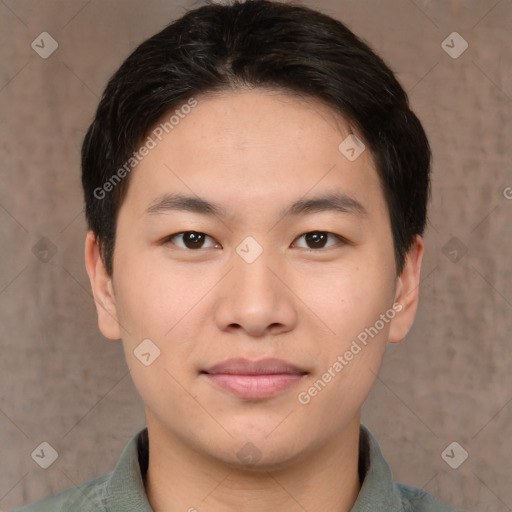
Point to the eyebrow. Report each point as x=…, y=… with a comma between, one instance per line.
x=337, y=202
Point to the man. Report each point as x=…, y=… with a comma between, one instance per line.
x=256, y=190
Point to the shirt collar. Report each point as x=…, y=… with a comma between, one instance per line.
x=125, y=488
x=378, y=490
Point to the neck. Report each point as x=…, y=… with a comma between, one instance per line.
x=182, y=479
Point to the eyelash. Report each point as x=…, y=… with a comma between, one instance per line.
x=339, y=238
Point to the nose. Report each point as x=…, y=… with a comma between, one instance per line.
x=254, y=299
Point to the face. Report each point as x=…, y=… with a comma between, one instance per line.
x=291, y=259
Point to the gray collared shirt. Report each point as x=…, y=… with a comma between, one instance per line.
x=122, y=490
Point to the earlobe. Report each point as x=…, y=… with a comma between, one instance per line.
x=407, y=292
x=102, y=289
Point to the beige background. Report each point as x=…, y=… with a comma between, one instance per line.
x=62, y=382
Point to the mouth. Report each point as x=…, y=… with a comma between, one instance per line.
x=254, y=380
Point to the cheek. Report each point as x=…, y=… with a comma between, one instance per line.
x=349, y=299
x=336, y=396
x=351, y=353
x=163, y=305
x=348, y=362
x=155, y=296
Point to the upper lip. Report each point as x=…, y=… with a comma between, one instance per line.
x=268, y=366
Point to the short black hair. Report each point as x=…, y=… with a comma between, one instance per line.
x=257, y=44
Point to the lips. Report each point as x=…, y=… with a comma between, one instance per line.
x=246, y=367
x=254, y=380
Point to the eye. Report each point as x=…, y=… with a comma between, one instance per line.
x=196, y=240
x=318, y=239
x=191, y=240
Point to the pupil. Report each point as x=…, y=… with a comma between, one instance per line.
x=193, y=240
x=316, y=239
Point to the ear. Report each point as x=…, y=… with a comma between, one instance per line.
x=407, y=293
x=102, y=289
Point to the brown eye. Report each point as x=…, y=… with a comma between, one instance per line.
x=191, y=240
x=318, y=239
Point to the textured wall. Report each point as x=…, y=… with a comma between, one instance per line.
x=63, y=383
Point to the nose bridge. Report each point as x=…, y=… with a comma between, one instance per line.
x=253, y=298
x=253, y=279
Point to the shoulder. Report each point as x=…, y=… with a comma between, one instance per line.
x=84, y=498
x=121, y=490
x=418, y=500
x=379, y=491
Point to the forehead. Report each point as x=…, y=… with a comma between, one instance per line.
x=255, y=149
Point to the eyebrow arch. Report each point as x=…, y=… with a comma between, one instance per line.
x=338, y=202
x=176, y=201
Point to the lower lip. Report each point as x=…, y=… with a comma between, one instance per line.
x=255, y=387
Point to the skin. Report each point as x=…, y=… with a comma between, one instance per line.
x=254, y=152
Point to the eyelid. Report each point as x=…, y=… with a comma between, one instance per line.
x=168, y=240
x=340, y=240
